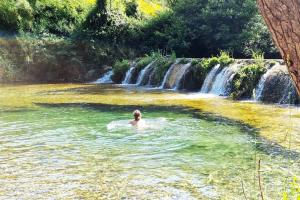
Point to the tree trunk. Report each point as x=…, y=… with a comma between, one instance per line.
x=283, y=20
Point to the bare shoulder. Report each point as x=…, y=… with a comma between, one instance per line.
x=133, y=123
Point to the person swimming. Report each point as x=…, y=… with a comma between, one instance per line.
x=137, y=119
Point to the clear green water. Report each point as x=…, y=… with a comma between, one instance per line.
x=91, y=153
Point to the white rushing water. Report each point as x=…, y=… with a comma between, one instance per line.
x=144, y=73
x=168, y=74
x=222, y=83
x=276, y=86
x=218, y=82
x=181, y=74
x=261, y=84
x=106, y=78
x=128, y=76
x=207, y=85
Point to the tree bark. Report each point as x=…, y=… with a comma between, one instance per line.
x=283, y=20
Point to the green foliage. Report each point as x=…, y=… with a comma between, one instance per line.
x=162, y=64
x=119, y=70
x=184, y=61
x=200, y=28
x=256, y=37
x=247, y=78
x=144, y=61
x=223, y=59
x=43, y=16
x=15, y=15
x=131, y=8
x=57, y=17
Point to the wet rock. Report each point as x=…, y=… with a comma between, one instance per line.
x=278, y=87
x=92, y=75
x=190, y=81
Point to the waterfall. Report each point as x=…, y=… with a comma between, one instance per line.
x=144, y=73
x=168, y=74
x=261, y=84
x=219, y=82
x=151, y=77
x=289, y=94
x=128, y=76
x=260, y=87
x=181, y=74
x=106, y=78
x=222, y=83
x=207, y=85
x=276, y=86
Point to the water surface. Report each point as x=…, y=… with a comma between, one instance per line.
x=70, y=142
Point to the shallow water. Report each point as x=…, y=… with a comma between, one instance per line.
x=56, y=146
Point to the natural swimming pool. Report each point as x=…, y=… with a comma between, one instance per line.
x=73, y=142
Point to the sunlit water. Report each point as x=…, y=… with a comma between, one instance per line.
x=88, y=151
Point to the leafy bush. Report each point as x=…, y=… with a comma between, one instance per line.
x=197, y=28
x=143, y=62
x=119, y=70
x=15, y=16
x=43, y=16
x=248, y=77
x=223, y=59
x=131, y=8
x=60, y=17
x=162, y=65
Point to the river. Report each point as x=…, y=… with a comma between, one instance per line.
x=72, y=141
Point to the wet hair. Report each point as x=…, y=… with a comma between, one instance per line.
x=137, y=115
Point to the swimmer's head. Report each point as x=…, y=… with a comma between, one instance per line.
x=137, y=115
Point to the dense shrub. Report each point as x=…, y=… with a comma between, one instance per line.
x=15, y=15
x=223, y=59
x=197, y=28
x=119, y=70
x=43, y=16
x=144, y=61
x=131, y=8
x=245, y=81
x=162, y=65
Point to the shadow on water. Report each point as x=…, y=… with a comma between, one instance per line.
x=108, y=89
x=261, y=144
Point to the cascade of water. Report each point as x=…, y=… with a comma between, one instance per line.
x=276, y=86
x=106, y=78
x=128, y=76
x=151, y=77
x=144, y=73
x=181, y=74
x=289, y=94
x=168, y=74
x=261, y=84
x=208, y=82
x=223, y=80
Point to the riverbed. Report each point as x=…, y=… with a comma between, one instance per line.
x=72, y=141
